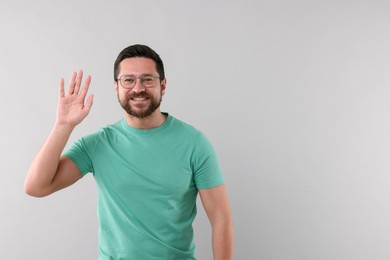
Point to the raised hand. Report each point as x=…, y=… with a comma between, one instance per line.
x=72, y=108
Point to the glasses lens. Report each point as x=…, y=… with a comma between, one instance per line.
x=147, y=81
x=128, y=81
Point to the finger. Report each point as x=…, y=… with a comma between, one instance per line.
x=62, y=89
x=89, y=103
x=79, y=78
x=71, y=83
x=84, y=90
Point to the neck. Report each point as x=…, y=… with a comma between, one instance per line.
x=153, y=121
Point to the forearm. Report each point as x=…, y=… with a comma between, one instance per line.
x=44, y=166
x=223, y=240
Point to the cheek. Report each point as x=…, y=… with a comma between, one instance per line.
x=123, y=92
x=121, y=96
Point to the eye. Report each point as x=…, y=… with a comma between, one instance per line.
x=148, y=81
x=128, y=80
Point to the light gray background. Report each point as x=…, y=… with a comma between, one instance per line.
x=294, y=95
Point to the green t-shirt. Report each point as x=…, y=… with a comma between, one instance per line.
x=147, y=181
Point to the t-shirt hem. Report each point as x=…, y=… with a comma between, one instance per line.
x=70, y=157
x=205, y=186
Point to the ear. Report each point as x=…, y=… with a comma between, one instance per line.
x=116, y=86
x=163, y=86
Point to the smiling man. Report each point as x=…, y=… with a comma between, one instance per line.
x=149, y=167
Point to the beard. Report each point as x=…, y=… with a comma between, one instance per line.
x=137, y=111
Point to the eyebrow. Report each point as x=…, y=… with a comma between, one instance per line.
x=142, y=75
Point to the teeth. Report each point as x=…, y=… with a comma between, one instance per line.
x=139, y=99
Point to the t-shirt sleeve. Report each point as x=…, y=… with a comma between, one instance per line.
x=207, y=171
x=79, y=153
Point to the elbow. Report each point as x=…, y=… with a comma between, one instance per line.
x=33, y=191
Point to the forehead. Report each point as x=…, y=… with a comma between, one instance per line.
x=137, y=65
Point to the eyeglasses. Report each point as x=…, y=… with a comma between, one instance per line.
x=147, y=81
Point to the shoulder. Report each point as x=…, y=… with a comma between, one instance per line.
x=190, y=133
x=184, y=127
x=104, y=133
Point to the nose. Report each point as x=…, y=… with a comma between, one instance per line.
x=138, y=87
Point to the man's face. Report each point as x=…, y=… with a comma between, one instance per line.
x=139, y=101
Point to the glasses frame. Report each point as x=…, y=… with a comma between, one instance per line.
x=136, y=78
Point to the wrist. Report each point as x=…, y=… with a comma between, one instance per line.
x=64, y=126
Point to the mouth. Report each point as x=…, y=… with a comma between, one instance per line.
x=139, y=100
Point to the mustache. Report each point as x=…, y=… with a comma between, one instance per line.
x=138, y=95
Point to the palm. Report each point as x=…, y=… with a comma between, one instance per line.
x=72, y=108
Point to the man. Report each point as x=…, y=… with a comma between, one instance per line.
x=149, y=167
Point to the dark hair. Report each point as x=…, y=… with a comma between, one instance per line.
x=139, y=50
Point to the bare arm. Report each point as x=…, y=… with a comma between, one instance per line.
x=216, y=205
x=49, y=171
